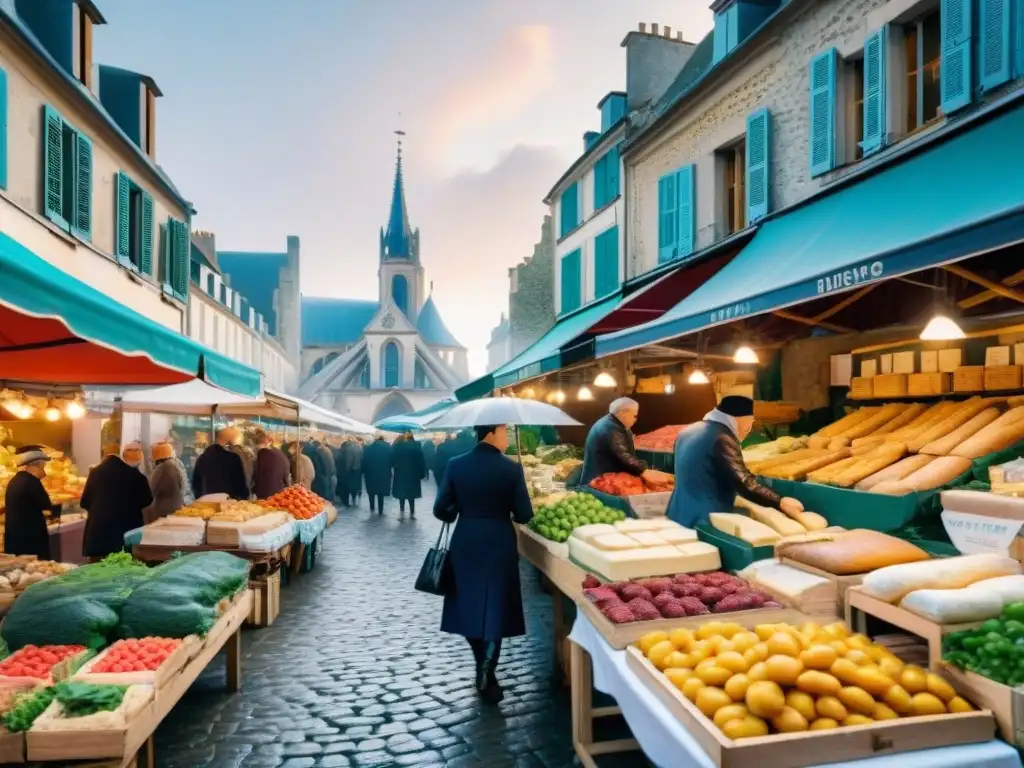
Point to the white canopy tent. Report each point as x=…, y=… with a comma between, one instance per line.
x=192, y=398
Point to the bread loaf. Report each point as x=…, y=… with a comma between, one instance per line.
x=894, y=472
x=837, y=428
x=826, y=473
x=891, y=488
x=944, y=445
x=852, y=552
x=812, y=521
x=936, y=473
x=906, y=417
x=1001, y=433
x=757, y=467
x=818, y=442
x=953, y=606
x=932, y=416
x=838, y=443
x=956, y=418
x=864, y=445
x=868, y=427
x=798, y=470
x=1009, y=588
x=893, y=583
x=885, y=456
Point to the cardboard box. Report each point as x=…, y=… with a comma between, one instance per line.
x=904, y=362
x=997, y=356
x=980, y=522
x=949, y=360
x=930, y=361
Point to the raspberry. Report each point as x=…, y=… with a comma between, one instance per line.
x=634, y=591
x=600, y=593
x=662, y=599
x=591, y=581
x=683, y=578
x=693, y=606
x=619, y=614
x=711, y=595
x=673, y=610
x=692, y=589
x=611, y=602
x=656, y=586
x=643, y=610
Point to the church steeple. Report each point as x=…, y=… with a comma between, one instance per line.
x=398, y=241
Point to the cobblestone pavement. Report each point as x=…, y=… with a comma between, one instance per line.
x=356, y=673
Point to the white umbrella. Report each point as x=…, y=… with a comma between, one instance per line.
x=502, y=410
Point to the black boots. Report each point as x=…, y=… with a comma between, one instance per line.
x=486, y=655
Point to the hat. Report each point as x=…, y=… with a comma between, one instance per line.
x=29, y=454
x=229, y=436
x=162, y=451
x=736, y=406
x=132, y=453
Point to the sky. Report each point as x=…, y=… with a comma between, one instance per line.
x=280, y=122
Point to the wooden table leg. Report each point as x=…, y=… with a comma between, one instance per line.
x=582, y=698
x=150, y=748
x=234, y=661
x=558, y=626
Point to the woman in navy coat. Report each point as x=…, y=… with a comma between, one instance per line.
x=410, y=469
x=485, y=491
x=377, y=473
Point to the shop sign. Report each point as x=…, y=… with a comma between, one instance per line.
x=848, y=278
x=731, y=312
x=980, y=534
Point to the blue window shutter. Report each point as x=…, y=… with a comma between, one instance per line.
x=123, y=213
x=571, y=274
x=53, y=165
x=83, y=187
x=758, y=165
x=146, y=251
x=3, y=129
x=600, y=182
x=166, y=259
x=994, y=42
x=823, y=112
x=686, y=212
x=569, y=210
x=668, y=227
x=613, y=173
x=180, y=249
x=955, y=63
x=1018, y=39
x=606, y=262
x=874, y=91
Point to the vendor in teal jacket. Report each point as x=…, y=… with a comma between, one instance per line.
x=710, y=471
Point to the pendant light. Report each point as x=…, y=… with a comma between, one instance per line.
x=529, y=393
x=52, y=412
x=698, y=376
x=670, y=388
x=74, y=410
x=559, y=396
x=604, y=380
x=584, y=394
x=943, y=325
x=746, y=355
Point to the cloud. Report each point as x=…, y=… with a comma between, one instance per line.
x=497, y=85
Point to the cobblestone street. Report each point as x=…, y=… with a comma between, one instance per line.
x=356, y=673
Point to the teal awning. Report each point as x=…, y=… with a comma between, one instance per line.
x=956, y=199
x=414, y=421
x=544, y=355
x=57, y=329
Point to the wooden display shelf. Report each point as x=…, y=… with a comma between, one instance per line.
x=1006, y=703
x=792, y=750
x=860, y=605
x=261, y=561
x=843, y=583
x=124, y=746
x=584, y=713
x=993, y=393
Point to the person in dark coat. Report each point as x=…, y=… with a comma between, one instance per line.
x=272, y=471
x=220, y=470
x=710, y=472
x=327, y=459
x=323, y=482
x=429, y=453
x=26, y=501
x=167, y=483
x=410, y=469
x=485, y=492
x=354, y=469
x=115, y=494
x=377, y=473
x=609, y=446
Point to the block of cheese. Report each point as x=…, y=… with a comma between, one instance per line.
x=654, y=524
x=1001, y=433
x=648, y=538
x=700, y=556
x=636, y=563
x=742, y=527
x=614, y=541
x=678, y=535
x=975, y=424
x=894, y=472
x=791, y=585
x=852, y=552
x=811, y=521
x=590, y=532
x=781, y=523
x=893, y=583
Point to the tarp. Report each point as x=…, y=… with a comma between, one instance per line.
x=946, y=203
x=194, y=398
x=59, y=330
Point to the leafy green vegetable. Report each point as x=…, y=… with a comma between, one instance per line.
x=81, y=699
x=994, y=650
x=27, y=707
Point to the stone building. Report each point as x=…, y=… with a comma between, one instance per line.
x=531, y=301
x=499, y=349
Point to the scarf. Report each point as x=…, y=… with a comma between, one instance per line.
x=724, y=419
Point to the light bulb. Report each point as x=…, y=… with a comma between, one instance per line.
x=697, y=376
x=604, y=380
x=670, y=388
x=559, y=397
x=52, y=413
x=11, y=405
x=584, y=393
x=25, y=411
x=745, y=354
x=74, y=410
x=942, y=328
x=528, y=393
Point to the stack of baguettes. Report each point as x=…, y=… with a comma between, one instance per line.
x=902, y=447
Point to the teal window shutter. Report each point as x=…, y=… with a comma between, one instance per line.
x=994, y=42
x=874, y=92
x=571, y=274
x=600, y=182
x=123, y=213
x=569, y=210
x=83, y=187
x=181, y=253
x=146, y=250
x=53, y=166
x=668, y=227
x=166, y=270
x=1018, y=39
x=758, y=164
x=612, y=171
x=955, y=62
x=606, y=262
x=823, y=112
x=3, y=129
x=686, y=211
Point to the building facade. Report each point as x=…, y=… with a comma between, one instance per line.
x=79, y=181
x=531, y=300
x=783, y=99
x=499, y=347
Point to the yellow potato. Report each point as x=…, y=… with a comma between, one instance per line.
x=744, y=640
x=856, y=719
x=783, y=670
x=858, y=641
x=818, y=683
x=709, y=630
x=937, y=686
x=682, y=639
x=823, y=724
x=928, y=704
x=697, y=655
x=811, y=629
x=761, y=649
x=736, y=686
x=839, y=647
x=844, y=670
x=730, y=629
x=691, y=687
x=710, y=699
x=959, y=704
x=746, y=728
x=883, y=712
x=764, y=631
x=857, y=656
x=831, y=707
x=650, y=640
x=758, y=672
x=678, y=675
x=765, y=699
x=733, y=661
x=819, y=656
x=724, y=646
x=783, y=643
x=677, y=660
x=891, y=667
x=873, y=681
x=802, y=703
x=914, y=680
x=659, y=653
x=837, y=630
x=898, y=698
x=730, y=712
x=702, y=646
x=713, y=674
x=789, y=721
x=877, y=652
x=856, y=699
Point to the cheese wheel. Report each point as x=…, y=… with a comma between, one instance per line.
x=944, y=445
x=958, y=417
x=936, y=473
x=894, y=472
x=1001, y=433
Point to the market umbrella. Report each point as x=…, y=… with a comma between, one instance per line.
x=417, y=421
x=502, y=410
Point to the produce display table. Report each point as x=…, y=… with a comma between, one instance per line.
x=667, y=743
x=261, y=561
x=66, y=541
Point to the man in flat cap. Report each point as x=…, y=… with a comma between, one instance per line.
x=26, y=502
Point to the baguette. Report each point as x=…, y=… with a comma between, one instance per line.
x=838, y=443
x=825, y=474
x=936, y=473
x=837, y=428
x=875, y=422
x=864, y=445
x=956, y=419
x=944, y=445
x=784, y=458
x=925, y=420
x=892, y=488
x=818, y=442
x=799, y=470
x=894, y=472
x=906, y=417
x=868, y=465
x=1001, y=433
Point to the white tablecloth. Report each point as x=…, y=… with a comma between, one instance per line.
x=668, y=744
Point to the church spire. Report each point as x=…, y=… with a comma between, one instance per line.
x=397, y=240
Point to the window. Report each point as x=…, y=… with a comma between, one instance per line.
x=922, y=46
x=606, y=178
x=67, y=165
x=134, y=232
x=400, y=293
x=422, y=381
x=733, y=165
x=211, y=285
x=569, y=210
x=676, y=214
x=606, y=262
x=572, y=294
x=195, y=272
x=392, y=365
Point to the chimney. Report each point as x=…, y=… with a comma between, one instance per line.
x=654, y=29
x=653, y=61
x=643, y=28
x=206, y=242
x=668, y=31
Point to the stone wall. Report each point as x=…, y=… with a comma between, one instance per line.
x=532, y=302
x=289, y=304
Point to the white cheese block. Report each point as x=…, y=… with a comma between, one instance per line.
x=654, y=524
x=783, y=579
x=631, y=564
x=649, y=538
x=700, y=556
x=742, y=527
x=678, y=535
x=612, y=542
x=590, y=532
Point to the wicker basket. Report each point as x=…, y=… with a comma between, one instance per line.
x=861, y=388
x=969, y=378
x=924, y=384
x=890, y=385
x=1004, y=377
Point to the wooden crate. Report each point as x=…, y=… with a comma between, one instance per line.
x=889, y=385
x=565, y=575
x=621, y=636
x=998, y=377
x=792, y=750
x=266, y=603
x=160, y=677
x=1005, y=703
x=860, y=605
x=861, y=388
x=843, y=583
x=924, y=384
x=969, y=378
x=12, y=747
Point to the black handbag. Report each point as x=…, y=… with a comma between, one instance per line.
x=435, y=577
